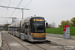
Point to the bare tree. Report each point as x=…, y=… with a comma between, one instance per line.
x=53, y=24
x=50, y=25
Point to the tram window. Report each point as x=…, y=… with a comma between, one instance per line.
x=23, y=25
x=26, y=26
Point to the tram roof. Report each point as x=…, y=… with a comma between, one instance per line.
x=28, y=18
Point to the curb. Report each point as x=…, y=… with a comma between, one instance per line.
x=0, y=40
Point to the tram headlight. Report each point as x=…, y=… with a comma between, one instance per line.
x=45, y=33
x=31, y=33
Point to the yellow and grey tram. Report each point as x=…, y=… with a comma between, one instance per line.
x=31, y=29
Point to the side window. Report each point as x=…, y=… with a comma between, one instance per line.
x=18, y=28
x=26, y=26
x=22, y=28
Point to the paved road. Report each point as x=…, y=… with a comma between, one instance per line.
x=0, y=40
x=70, y=44
x=14, y=45
x=17, y=44
x=60, y=36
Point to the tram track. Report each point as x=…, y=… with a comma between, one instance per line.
x=33, y=45
x=9, y=47
x=21, y=44
x=6, y=43
x=42, y=43
x=30, y=44
x=48, y=46
x=40, y=47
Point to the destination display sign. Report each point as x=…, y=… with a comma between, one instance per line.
x=38, y=20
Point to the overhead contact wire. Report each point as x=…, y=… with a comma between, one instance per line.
x=7, y=8
x=25, y=6
x=15, y=9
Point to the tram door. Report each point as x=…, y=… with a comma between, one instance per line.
x=27, y=30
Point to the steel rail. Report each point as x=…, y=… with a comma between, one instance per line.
x=6, y=42
x=20, y=43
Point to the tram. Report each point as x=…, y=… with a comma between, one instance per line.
x=31, y=29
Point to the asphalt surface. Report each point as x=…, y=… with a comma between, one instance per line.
x=15, y=43
x=0, y=40
x=60, y=36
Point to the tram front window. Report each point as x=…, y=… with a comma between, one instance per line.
x=38, y=27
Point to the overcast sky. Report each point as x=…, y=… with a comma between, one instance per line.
x=51, y=10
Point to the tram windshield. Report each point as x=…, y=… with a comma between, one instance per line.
x=38, y=27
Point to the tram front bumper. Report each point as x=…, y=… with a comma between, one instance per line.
x=33, y=39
